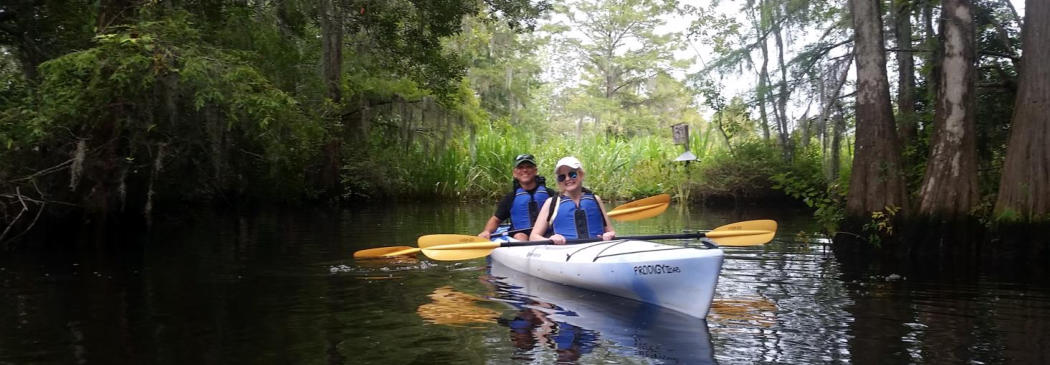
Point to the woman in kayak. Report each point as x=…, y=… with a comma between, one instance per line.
x=576, y=213
x=520, y=205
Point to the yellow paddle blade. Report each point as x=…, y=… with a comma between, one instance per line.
x=378, y=252
x=641, y=208
x=447, y=239
x=424, y=241
x=655, y=199
x=460, y=251
x=746, y=233
x=638, y=213
x=755, y=225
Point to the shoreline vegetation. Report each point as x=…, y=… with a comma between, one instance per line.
x=139, y=110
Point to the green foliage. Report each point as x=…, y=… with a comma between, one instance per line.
x=504, y=67
x=20, y=128
x=448, y=173
x=157, y=82
x=881, y=225
x=616, y=169
x=740, y=174
x=33, y=31
x=828, y=201
x=408, y=37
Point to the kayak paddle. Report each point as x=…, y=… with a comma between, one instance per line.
x=392, y=251
x=382, y=252
x=641, y=208
x=464, y=247
x=630, y=211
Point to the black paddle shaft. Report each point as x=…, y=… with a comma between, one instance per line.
x=697, y=235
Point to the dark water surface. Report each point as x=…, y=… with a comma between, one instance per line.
x=281, y=288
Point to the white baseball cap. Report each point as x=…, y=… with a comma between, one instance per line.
x=569, y=161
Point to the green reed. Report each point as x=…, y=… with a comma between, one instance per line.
x=479, y=166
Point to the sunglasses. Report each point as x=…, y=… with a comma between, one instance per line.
x=571, y=175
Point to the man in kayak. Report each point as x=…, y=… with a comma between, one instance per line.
x=576, y=213
x=520, y=205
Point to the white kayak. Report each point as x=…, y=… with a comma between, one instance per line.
x=633, y=328
x=674, y=277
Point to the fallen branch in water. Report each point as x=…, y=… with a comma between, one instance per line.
x=22, y=199
x=25, y=208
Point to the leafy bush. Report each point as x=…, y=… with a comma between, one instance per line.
x=743, y=173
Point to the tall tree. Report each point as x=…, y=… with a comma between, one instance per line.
x=621, y=50
x=876, y=182
x=950, y=184
x=782, y=94
x=763, y=71
x=1024, y=191
x=902, y=30
x=504, y=65
x=330, y=15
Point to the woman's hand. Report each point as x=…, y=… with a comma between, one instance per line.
x=558, y=239
x=485, y=234
x=608, y=235
x=521, y=236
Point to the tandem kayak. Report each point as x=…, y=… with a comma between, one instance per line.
x=568, y=318
x=679, y=278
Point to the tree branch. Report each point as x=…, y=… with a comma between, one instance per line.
x=907, y=50
x=1013, y=58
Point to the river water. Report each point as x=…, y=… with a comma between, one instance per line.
x=282, y=288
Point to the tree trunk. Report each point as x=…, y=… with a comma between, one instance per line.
x=876, y=182
x=906, y=74
x=822, y=102
x=721, y=128
x=331, y=16
x=927, y=19
x=1024, y=191
x=832, y=99
x=949, y=187
x=763, y=74
x=930, y=43
x=836, y=142
x=782, y=98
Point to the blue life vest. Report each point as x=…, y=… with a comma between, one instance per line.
x=585, y=221
x=526, y=207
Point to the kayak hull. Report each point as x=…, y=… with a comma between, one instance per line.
x=674, y=277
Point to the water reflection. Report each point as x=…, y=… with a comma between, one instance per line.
x=575, y=322
x=789, y=306
x=751, y=311
x=453, y=308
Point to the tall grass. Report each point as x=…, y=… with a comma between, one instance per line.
x=479, y=167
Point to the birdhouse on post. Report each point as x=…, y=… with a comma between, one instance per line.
x=680, y=135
